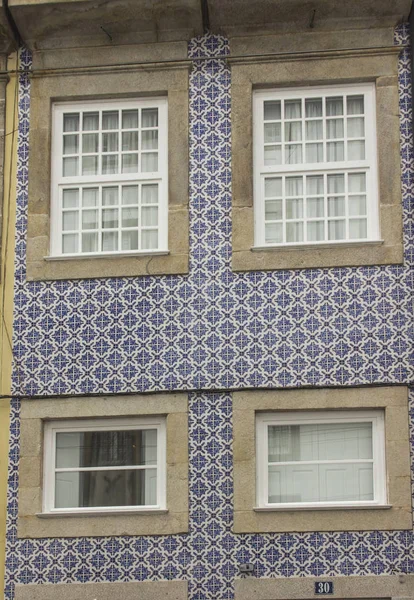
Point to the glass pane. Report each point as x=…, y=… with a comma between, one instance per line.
x=130, y=240
x=150, y=117
x=314, y=130
x=293, y=154
x=334, y=106
x=109, y=196
x=149, y=240
x=273, y=233
x=294, y=186
x=70, y=167
x=129, y=119
x=110, y=218
x=106, y=488
x=71, y=122
x=335, y=128
x=293, y=109
x=130, y=139
x=273, y=210
x=356, y=150
x=109, y=164
x=106, y=448
x=110, y=119
x=294, y=232
x=70, y=220
x=110, y=241
x=149, y=194
x=272, y=155
x=149, y=162
x=336, y=206
x=313, y=107
x=272, y=132
x=70, y=198
x=336, y=230
x=334, y=151
x=294, y=208
x=314, y=185
x=357, y=205
x=90, y=142
x=316, y=231
x=70, y=144
x=293, y=131
x=89, y=242
x=110, y=142
x=130, y=194
x=70, y=243
x=356, y=182
x=314, y=153
x=315, y=208
x=90, y=196
x=356, y=127
x=89, y=165
x=336, y=184
x=130, y=217
x=272, y=111
x=335, y=482
x=355, y=105
x=149, y=140
x=89, y=219
x=90, y=121
x=357, y=229
x=273, y=187
x=130, y=163
x=150, y=216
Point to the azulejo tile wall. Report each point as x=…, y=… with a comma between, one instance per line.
x=211, y=330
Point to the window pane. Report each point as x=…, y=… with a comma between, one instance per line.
x=89, y=242
x=149, y=162
x=149, y=140
x=358, y=229
x=273, y=210
x=90, y=142
x=109, y=241
x=130, y=163
x=150, y=117
x=130, y=240
x=272, y=155
x=272, y=111
x=272, y=132
x=130, y=217
x=293, y=109
x=274, y=233
x=106, y=448
x=109, y=196
x=356, y=150
x=314, y=185
x=150, y=216
x=130, y=139
x=336, y=184
x=89, y=165
x=110, y=218
x=313, y=107
x=334, y=106
x=293, y=131
x=335, y=129
x=149, y=194
x=334, y=151
x=336, y=230
x=294, y=232
x=71, y=122
x=110, y=119
x=106, y=488
x=70, y=220
x=294, y=186
x=109, y=164
x=70, y=144
x=356, y=127
x=355, y=105
x=293, y=154
x=90, y=196
x=314, y=153
x=273, y=187
x=129, y=119
x=89, y=219
x=149, y=240
x=70, y=243
x=316, y=231
x=110, y=142
x=314, y=130
x=357, y=205
x=130, y=194
x=70, y=198
x=70, y=167
x=315, y=207
x=356, y=182
x=90, y=121
x=336, y=206
x=294, y=208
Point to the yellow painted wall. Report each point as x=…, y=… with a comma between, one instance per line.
x=6, y=289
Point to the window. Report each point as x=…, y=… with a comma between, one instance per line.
x=315, y=166
x=109, y=178
x=103, y=465
x=322, y=459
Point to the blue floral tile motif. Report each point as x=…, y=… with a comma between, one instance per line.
x=210, y=330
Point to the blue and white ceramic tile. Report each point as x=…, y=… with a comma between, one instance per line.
x=212, y=329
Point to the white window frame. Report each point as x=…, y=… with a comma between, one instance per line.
x=370, y=163
x=376, y=417
x=125, y=424
x=58, y=182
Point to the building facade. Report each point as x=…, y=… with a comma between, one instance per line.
x=213, y=303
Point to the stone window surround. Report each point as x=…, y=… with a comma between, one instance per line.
x=144, y=590
x=394, y=400
x=338, y=67
x=33, y=524
x=149, y=81
x=302, y=588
